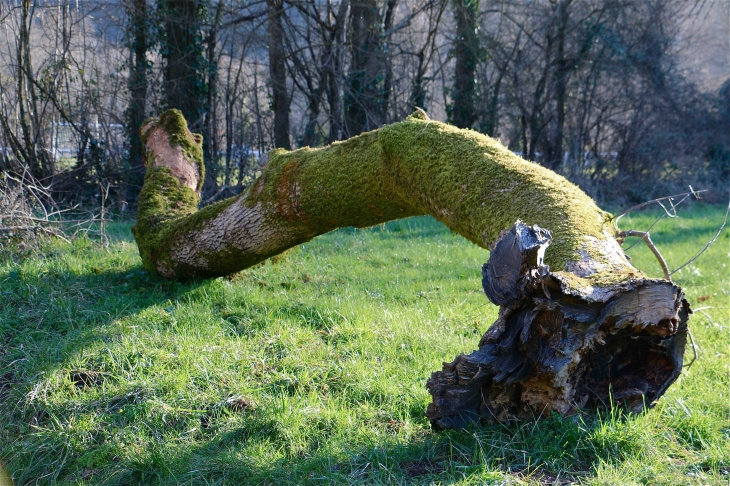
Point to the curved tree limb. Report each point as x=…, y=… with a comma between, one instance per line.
x=644, y=235
x=578, y=325
x=468, y=181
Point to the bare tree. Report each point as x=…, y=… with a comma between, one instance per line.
x=139, y=43
x=590, y=88
x=29, y=141
x=277, y=71
x=466, y=52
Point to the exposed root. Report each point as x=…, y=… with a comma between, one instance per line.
x=553, y=350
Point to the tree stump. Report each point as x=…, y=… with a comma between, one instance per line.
x=555, y=348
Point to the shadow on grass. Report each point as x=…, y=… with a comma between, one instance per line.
x=50, y=316
x=552, y=451
x=60, y=314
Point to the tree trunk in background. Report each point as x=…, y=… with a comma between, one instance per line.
x=491, y=117
x=417, y=98
x=277, y=71
x=538, y=112
x=589, y=330
x=561, y=73
x=185, y=67
x=332, y=62
x=310, y=136
x=386, y=57
x=210, y=121
x=31, y=145
x=138, y=29
x=418, y=95
x=363, y=90
x=466, y=52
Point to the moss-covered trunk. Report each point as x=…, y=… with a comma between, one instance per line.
x=470, y=182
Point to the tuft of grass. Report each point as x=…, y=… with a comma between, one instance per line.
x=313, y=370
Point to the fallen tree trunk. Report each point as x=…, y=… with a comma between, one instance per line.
x=578, y=326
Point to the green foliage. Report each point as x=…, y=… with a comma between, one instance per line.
x=313, y=370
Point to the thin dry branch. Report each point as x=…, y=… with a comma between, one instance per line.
x=673, y=214
x=27, y=210
x=722, y=226
x=644, y=235
x=48, y=231
x=665, y=214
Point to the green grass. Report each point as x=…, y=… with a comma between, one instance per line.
x=313, y=370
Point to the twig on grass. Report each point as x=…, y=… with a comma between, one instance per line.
x=694, y=349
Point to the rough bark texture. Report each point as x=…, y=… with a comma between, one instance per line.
x=553, y=349
x=567, y=334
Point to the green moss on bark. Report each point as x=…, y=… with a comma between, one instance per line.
x=343, y=184
x=163, y=199
x=470, y=182
x=478, y=187
x=164, y=202
x=176, y=127
x=156, y=237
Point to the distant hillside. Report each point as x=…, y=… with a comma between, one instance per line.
x=707, y=54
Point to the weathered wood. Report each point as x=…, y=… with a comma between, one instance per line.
x=589, y=331
x=557, y=351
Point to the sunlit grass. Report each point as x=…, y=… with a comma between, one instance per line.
x=313, y=370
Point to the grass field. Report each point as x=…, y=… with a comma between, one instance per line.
x=313, y=370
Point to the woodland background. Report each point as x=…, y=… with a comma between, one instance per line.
x=628, y=98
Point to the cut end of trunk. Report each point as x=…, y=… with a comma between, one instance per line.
x=555, y=350
x=169, y=143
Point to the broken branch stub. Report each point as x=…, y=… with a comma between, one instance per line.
x=558, y=349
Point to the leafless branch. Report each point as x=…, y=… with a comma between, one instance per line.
x=666, y=198
x=644, y=235
x=48, y=231
x=27, y=210
x=722, y=226
x=665, y=214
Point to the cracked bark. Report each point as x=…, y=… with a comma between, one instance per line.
x=579, y=326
